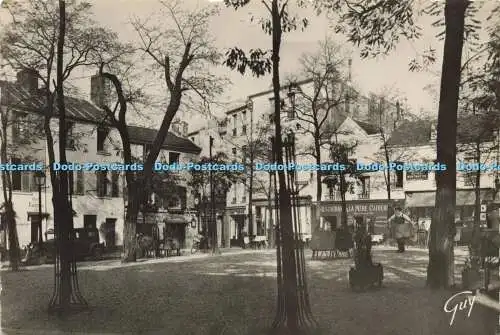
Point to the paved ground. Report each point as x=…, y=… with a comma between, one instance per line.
x=234, y=294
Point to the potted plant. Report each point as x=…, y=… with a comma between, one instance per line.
x=472, y=274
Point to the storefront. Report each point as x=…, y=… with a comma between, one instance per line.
x=371, y=212
x=421, y=204
x=236, y=217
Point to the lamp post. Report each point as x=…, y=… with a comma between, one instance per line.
x=40, y=181
x=197, y=207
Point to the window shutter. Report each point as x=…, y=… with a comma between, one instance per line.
x=25, y=182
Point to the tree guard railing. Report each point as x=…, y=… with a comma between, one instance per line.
x=306, y=322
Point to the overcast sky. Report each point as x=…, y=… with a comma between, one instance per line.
x=233, y=28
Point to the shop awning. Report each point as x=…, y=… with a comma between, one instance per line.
x=175, y=219
x=428, y=199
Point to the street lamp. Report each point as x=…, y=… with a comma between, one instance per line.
x=39, y=181
x=197, y=207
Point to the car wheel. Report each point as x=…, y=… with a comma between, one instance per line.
x=97, y=253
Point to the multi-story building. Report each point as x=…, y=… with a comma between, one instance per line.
x=97, y=196
x=477, y=142
x=414, y=142
x=254, y=121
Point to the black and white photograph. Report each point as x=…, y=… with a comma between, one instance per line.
x=250, y=167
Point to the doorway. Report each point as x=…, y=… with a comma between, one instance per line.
x=36, y=226
x=110, y=233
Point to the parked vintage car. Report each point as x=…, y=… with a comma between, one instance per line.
x=86, y=245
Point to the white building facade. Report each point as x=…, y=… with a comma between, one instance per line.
x=97, y=196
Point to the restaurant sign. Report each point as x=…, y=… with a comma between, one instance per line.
x=358, y=208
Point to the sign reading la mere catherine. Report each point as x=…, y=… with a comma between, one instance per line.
x=361, y=208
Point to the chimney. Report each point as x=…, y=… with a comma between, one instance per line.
x=398, y=111
x=99, y=90
x=184, y=128
x=28, y=79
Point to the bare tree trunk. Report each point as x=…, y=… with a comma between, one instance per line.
x=286, y=224
x=475, y=246
x=250, y=195
x=343, y=190
x=319, y=185
x=270, y=229
x=441, y=257
x=10, y=217
x=130, y=227
x=64, y=218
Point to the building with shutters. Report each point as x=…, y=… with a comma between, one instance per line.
x=97, y=196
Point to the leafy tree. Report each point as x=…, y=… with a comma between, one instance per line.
x=377, y=27
x=476, y=140
x=260, y=62
x=345, y=179
x=200, y=181
x=315, y=109
x=26, y=133
x=255, y=147
x=181, y=52
x=55, y=38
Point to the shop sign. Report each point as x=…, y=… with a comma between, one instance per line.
x=361, y=208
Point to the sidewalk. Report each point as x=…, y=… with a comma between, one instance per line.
x=116, y=262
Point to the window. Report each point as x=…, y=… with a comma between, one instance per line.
x=234, y=151
x=399, y=176
x=244, y=151
x=365, y=187
x=174, y=202
x=417, y=175
x=102, y=183
x=79, y=187
x=102, y=135
x=173, y=157
x=19, y=126
x=115, y=184
x=70, y=136
x=90, y=221
x=235, y=124
x=271, y=118
x=244, y=117
x=16, y=176
x=235, y=132
x=244, y=129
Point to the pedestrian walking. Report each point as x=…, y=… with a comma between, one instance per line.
x=401, y=226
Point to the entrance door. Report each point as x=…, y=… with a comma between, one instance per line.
x=35, y=229
x=110, y=233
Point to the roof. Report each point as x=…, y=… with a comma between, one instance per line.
x=83, y=111
x=283, y=87
x=470, y=129
x=411, y=133
x=142, y=135
x=368, y=127
x=76, y=109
